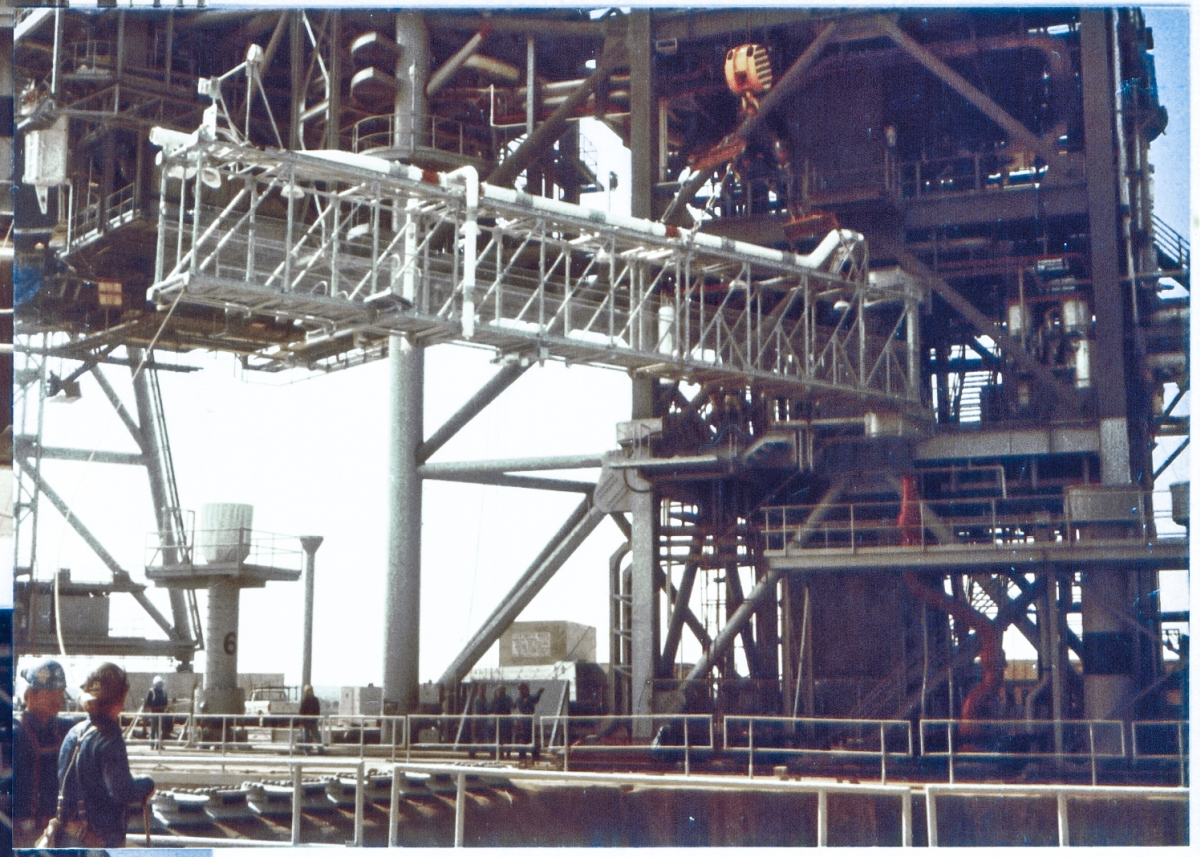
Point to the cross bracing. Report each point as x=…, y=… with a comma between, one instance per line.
x=353, y=248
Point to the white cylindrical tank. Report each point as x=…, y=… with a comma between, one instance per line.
x=224, y=532
x=1083, y=365
x=1018, y=320
x=1075, y=317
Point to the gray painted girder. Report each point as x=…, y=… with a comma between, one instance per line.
x=578, y=526
x=499, y=382
x=92, y=542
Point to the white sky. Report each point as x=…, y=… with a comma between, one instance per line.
x=311, y=456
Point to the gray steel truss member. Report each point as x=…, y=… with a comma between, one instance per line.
x=577, y=527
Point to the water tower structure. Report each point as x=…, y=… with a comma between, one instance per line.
x=227, y=556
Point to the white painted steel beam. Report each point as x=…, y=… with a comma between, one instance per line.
x=542, y=277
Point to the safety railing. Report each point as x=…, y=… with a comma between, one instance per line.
x=1060, y=793
x=87, y=219
x=815, y=736
x=462, y=777
x=1161, y=740
x=970, y=172
x=566, y=778
x=376, y=133
x=999, y=523
x=499, y=735
x=93, y=56
x=675, y=736
x=1061, y=740
x=874, y=181
x=242, y=545
x=292, y=734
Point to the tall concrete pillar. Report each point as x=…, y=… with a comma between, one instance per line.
x=221, y=693
x=402, y=617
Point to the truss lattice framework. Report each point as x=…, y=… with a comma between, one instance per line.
x=354, y=246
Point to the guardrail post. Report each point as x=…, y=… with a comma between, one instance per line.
x=359, y=803
x=751, y=721
x=566, y=743
x=1064, y=831
x=1182, y=757
x=882, y=755
x=822, y=818
x=460, y=806
x=224, y=733
x=950, y=749
x=297, y=794
x=931, y=830
x=394, y=809
x=687, y=767
x=906, y=823
x=291, y=735
x=1092, y=748
x=407, y=739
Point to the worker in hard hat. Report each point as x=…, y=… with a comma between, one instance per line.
x=37, y=735
x=93, y=768
x=156, y=706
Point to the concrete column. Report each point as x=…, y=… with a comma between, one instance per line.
x=221, y=693
x=402, y=616
x=1108, y=643
x=310, y=545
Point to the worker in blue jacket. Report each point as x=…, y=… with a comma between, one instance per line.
x=100, y=787
x=37, y=736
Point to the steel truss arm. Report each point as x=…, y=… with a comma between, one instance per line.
x=509, y=480
x=580, y=285
x=578, y=526
x=1048, y=149
x=554, y=127
x=119, y=574
x=161, y=472
x=487, y=394
x=765, y=586
x=679, y=609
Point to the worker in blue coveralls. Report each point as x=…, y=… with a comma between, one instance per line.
x=37, y=735
x=93, y=768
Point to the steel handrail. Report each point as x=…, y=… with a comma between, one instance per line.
x=883, y=725
x=1059, y=792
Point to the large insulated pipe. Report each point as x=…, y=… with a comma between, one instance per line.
x=470, y=242
x=310, y=545
x=442, y=76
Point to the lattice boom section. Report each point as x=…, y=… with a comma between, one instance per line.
x=354, y=248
